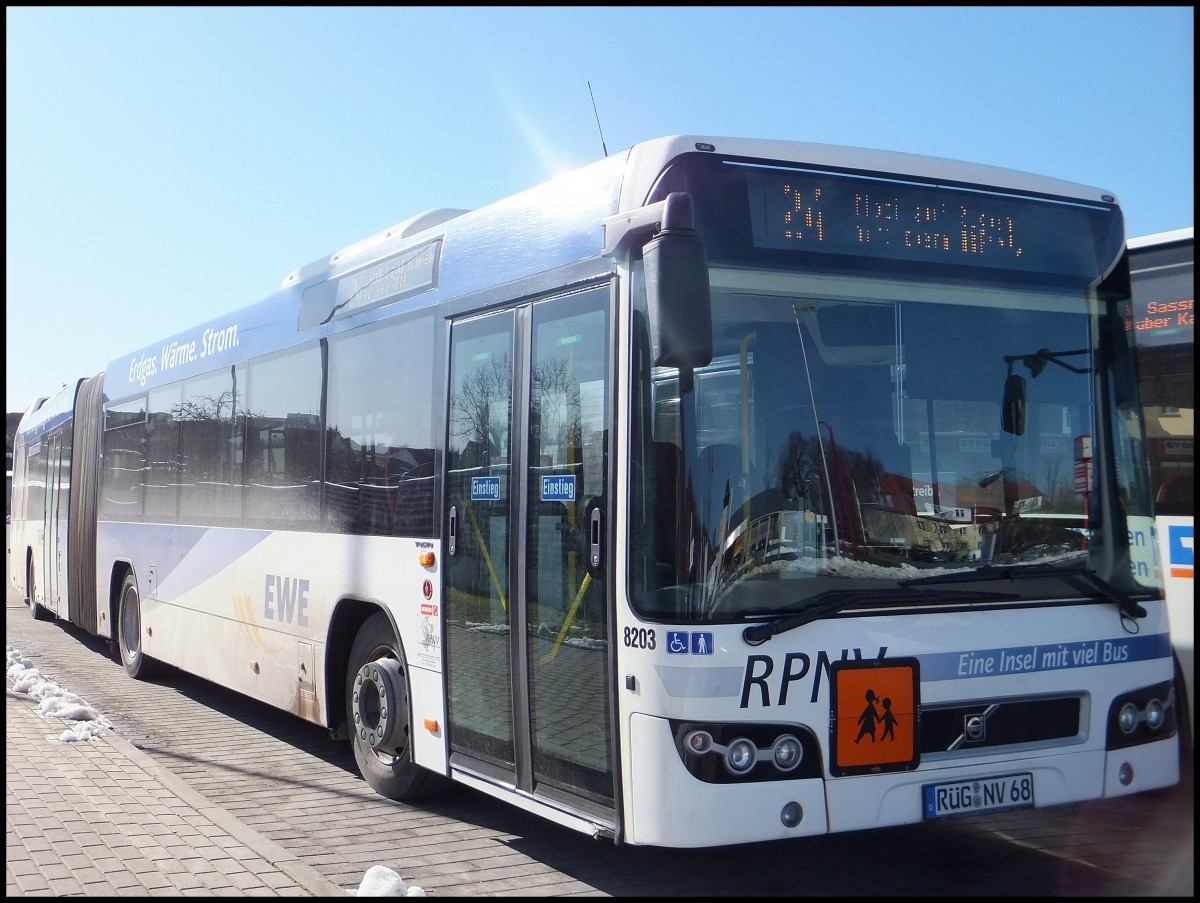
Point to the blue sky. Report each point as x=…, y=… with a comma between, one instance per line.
x=167, y=165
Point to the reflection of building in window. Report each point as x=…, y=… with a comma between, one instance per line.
x=919, y=536
x=1177, y=494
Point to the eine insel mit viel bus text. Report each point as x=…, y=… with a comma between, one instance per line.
x=723, y=490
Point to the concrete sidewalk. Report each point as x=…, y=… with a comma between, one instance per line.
x=99, y=817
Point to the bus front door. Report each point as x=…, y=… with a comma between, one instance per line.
x=527, y=634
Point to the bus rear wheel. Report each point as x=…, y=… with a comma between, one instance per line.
x=379, y=715
x=40, y=612
x=137, y=663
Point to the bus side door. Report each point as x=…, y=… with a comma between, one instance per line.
x=54, y=525
x=527, y=497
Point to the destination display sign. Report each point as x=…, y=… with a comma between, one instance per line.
x=1164, y=308
x=926, y=224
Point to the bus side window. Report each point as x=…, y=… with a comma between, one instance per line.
x=379, y=467
x=283, y=453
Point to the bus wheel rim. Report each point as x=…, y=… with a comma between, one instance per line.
x=131, y=624
x=377, y=705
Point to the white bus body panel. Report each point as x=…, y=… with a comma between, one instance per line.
x=672, y=808
x=251, y=610
x=1078, y=647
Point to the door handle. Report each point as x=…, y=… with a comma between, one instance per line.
x=453, y=529
x=594, y=534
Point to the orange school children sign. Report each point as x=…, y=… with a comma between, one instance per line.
x=874, y=715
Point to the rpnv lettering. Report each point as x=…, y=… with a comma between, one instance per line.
x=286, y=599
x=796, y=666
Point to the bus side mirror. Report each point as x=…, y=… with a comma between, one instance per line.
x=1012, y=409
x=678, y=302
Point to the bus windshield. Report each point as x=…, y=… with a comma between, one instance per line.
x=848, y=435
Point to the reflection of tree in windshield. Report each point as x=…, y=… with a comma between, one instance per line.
x=806, y=472
x=800, y=473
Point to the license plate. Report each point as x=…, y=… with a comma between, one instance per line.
x=992, y=794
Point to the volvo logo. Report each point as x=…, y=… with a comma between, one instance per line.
x=975, y=728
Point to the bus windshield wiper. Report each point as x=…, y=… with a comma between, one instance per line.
x=835, y=600
x=1125, y=601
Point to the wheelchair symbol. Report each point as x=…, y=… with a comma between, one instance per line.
x=677, y=642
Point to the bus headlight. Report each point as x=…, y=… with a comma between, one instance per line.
x=723, y=753
x=741, y=756
x=1142, y=716
x=1154, y=714
x=1127, y=720
x=698, y=742
x=787, y=752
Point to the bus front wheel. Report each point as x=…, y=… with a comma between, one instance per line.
x=137, y=663
x=379, y=716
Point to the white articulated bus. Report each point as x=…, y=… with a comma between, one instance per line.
x=723, y=490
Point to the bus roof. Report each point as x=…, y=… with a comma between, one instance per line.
x=57, y=408
x=554, y=224
x=648, y=158
x=1161, y=238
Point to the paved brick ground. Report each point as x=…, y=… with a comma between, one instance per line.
x=100, y=818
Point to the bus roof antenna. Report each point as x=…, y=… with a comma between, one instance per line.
x=594, y=110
